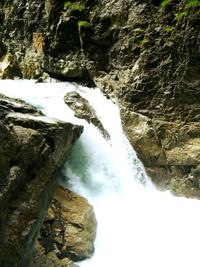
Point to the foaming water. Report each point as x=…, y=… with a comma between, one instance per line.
x=138, y=226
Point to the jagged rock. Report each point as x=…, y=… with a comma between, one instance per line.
x=33, y=147
x=84, y=110
x=69, y=229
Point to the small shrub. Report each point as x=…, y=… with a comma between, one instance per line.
x=192, y=4
x=74, y=5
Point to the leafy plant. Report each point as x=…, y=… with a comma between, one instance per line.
x=192, y=4
x=74, y=5
x=165, y=3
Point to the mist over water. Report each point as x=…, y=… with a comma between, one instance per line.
x=138, y=226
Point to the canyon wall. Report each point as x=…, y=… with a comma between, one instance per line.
x=143, y=53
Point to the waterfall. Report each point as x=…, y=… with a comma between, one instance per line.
x=138, y=226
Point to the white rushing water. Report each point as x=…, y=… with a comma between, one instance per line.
x=137, y=225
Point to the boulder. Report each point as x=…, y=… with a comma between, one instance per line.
x=69, y=229
x=33, y=147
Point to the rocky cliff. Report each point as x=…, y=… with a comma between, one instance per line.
x=33, y=147
x=144, y=53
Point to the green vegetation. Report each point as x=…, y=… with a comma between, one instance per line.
x=165, y=3
x=81, y=25
x=75, y=5
x=192, y=4
x=84, y=23
x=144, y=41
x=179, y=16
x=169, y=29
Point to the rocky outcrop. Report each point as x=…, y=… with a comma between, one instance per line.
x=69, y=229
x=145, y=53
x=169, y=151
x=84, y=110
x=33, y=147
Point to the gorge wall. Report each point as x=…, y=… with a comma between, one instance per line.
x=144, y=53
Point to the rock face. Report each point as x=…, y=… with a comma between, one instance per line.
x=169, y=151
x=159, y=95
x=69, y=229
x=47, y=32
x=33, y=147
x=145, y=53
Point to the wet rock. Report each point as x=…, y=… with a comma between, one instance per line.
x=84, y=110
x=69, y=229
x=33, y=147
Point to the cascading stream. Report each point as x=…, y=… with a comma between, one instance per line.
x=137, y=225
